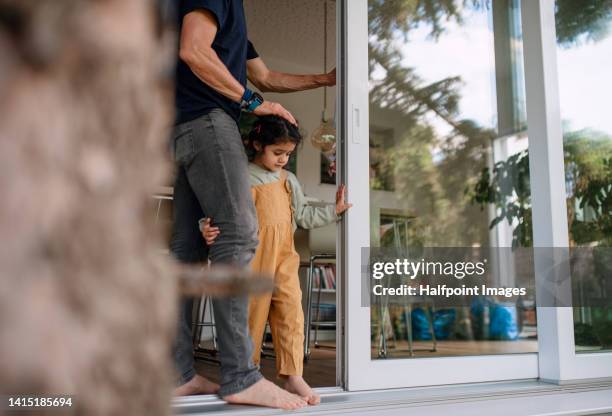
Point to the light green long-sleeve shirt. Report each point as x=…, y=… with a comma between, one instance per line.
x=304, y=215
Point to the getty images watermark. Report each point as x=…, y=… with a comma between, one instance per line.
x=456, y=276
x=458, y=270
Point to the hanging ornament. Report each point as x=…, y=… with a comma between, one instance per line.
x=324, y=136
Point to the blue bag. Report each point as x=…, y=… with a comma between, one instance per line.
x=504, y=322
x=420, y=325
x=444, y=322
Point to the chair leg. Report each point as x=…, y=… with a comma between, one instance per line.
x=196, y=333
x=307, y=324
x=408, y=318
x=382, y=345
x=318, y=317
x=392, y=329
x=430, y=314
x=213, y=327
x=265, y=348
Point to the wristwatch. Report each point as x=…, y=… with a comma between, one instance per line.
x=250, y=100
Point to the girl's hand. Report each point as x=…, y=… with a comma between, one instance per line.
x=209, y=232
x=341, y=204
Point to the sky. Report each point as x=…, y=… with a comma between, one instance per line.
x=585, y=85
x=467, y=51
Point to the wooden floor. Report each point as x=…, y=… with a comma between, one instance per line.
x=320, y=370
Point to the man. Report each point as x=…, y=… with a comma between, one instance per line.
x=212, y=180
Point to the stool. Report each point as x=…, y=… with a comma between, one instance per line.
x=206, y=354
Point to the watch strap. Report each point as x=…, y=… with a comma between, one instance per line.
x=247, y=95
x=255, y=102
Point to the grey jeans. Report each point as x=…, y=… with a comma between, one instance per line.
x=213, y=181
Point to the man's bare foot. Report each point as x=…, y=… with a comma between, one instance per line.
x=297, y=385
x=197, y=385
x=268, y=394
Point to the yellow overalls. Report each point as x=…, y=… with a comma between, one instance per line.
x=277, y=257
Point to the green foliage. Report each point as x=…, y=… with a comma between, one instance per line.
x=582, y=19
x=588, y=168
x=509, y=191
x=392, y=17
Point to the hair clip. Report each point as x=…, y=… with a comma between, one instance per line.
x=258, y=129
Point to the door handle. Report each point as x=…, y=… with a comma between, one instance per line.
x=356, y=125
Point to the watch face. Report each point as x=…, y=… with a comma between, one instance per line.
x=254, y=102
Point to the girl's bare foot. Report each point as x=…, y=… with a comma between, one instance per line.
x=197, y=385
x=268, y=394
x=297, y=385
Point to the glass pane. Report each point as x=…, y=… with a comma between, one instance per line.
x=449, y=166
x=584, y=54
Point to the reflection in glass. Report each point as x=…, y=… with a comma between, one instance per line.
x=584, y=55
x=449, y=164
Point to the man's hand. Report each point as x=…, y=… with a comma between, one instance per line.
x=329, y=79
x=268, y=108
x=267, y=80
x=209, y=232
x=341, y=204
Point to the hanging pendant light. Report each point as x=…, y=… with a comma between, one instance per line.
x=324, y=136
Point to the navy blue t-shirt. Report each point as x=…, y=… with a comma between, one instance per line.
x=193, y=97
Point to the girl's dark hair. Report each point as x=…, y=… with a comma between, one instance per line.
x=268, y=130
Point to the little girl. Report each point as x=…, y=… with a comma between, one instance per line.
x=281, y=207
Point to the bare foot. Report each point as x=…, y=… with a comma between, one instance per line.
x=197, y=385
x=297, y=385
x=268, y=394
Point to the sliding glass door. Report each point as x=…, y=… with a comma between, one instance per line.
x=437, y=122
x=453, y=153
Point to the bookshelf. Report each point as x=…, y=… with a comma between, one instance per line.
x=324, y=277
